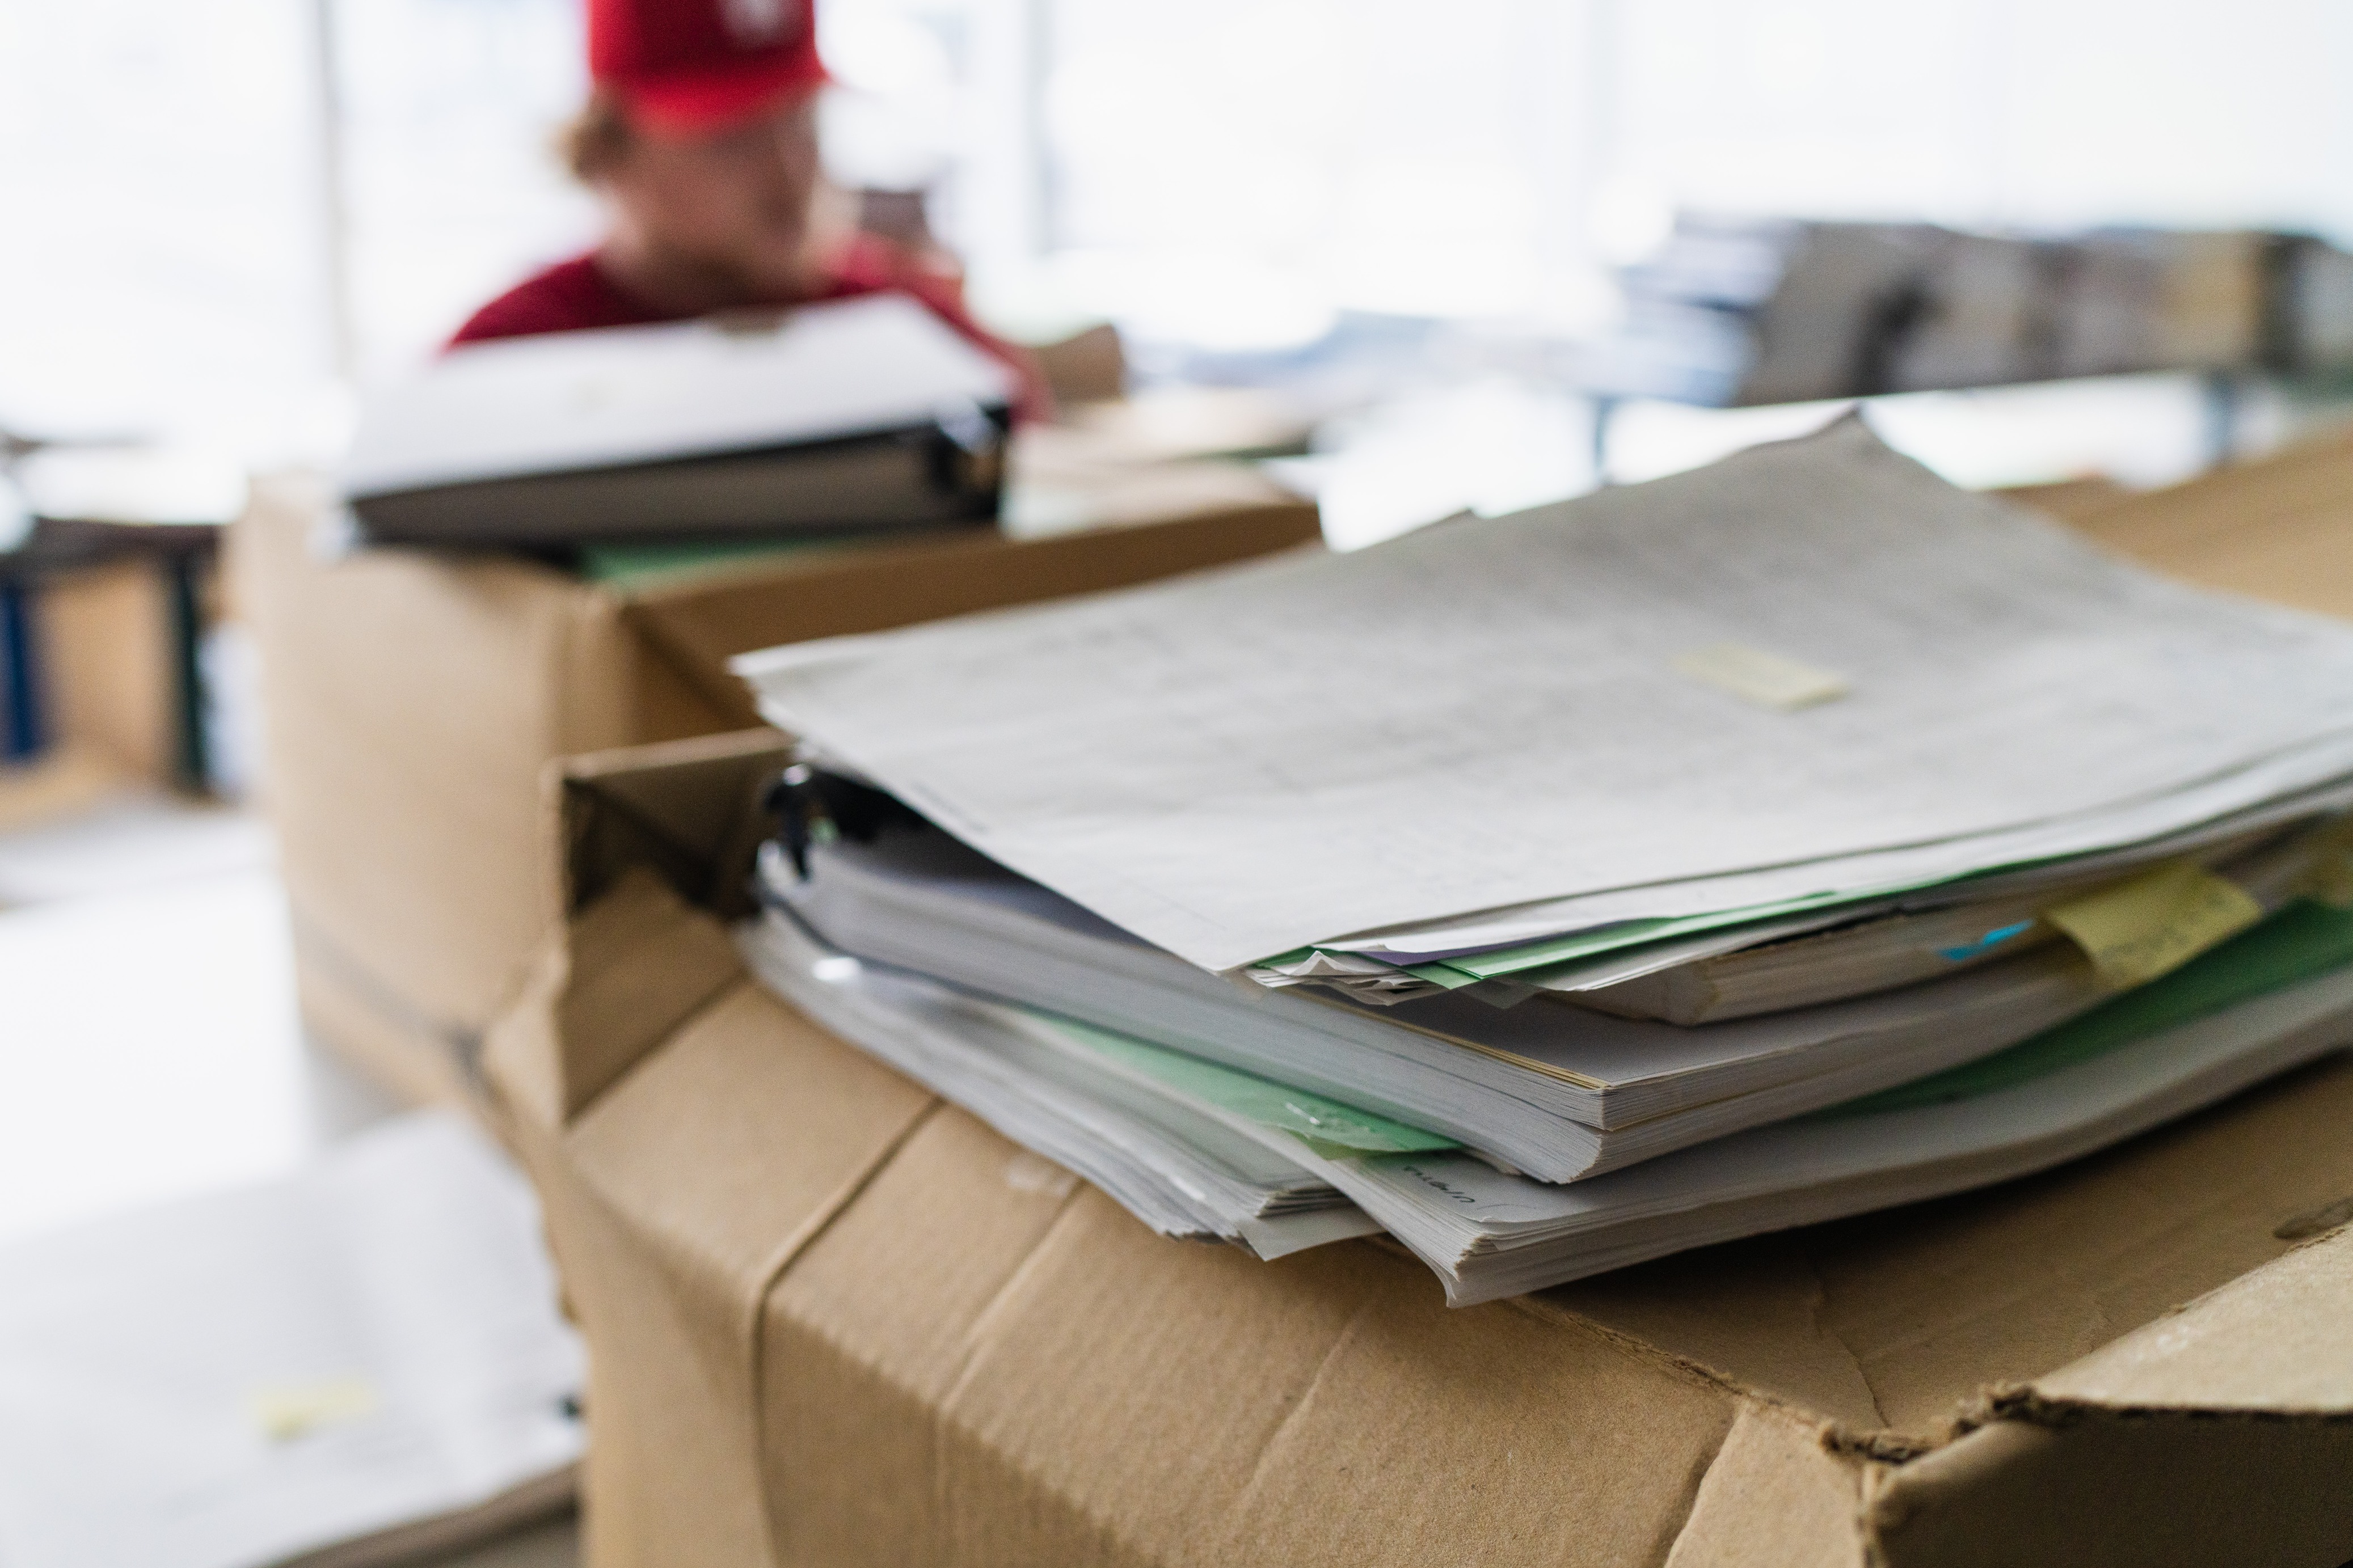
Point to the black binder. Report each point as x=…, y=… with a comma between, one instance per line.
x=859, y=417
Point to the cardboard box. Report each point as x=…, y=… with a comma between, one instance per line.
x=104, y=708
x=116, y=628
x=834, y=1321
x=413, y=699
x=111, y=667
x=2277, y=528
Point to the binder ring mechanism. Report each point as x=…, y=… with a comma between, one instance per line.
x=813, y=806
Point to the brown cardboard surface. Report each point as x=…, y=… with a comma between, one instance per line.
x=2186, y=1490
x=63, y=782
x=108, y=665
x=411, y=704
x=1047, y=1373
x=2272, y=1340
x=420, y=1061
x=835, y=1322
x=2278, y=528
x=1890, y=1325
x=414, y=701
x=2068, y=499
x=1775, y=1497
x=677, y=1195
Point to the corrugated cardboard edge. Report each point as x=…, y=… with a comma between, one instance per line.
x=2127, y=1489
x=2234, y=1406
x=687, y=811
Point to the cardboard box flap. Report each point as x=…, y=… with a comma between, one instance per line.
x=714, y=1087
x=688, y=811
x=2235, y=1408
x=1898, y=1328
x=1775, y=1497
x=642, y=962
x=2275, y=1340
x=674, y=1199
x=2180, y=1489
x=703, y=623
x=1755, y=1315
x=971, y=1322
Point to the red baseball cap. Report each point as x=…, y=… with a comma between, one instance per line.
x=691, y=66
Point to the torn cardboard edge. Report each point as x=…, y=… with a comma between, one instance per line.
x=655, y=837
x=688, y=811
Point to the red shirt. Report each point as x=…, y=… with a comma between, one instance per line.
x=576, y=294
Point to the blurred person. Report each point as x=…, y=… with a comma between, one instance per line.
x=701, y=135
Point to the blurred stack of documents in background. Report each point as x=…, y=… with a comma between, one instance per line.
x=1166, y=452
x=1776, y=841
x=1754, y=311
x=359, y=1365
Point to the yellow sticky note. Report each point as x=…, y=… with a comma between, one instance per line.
x=1768, y=680
x=2138, y=929
x=287, y=1411
x=2330, y=879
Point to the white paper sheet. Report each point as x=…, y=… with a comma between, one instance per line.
x=564, y=401
x=1455, y=1212
x=1487, y=714
x=399, y=1292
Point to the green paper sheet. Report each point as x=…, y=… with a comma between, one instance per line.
x=1332, y=1126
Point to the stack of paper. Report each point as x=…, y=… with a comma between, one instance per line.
x=1749, y=311
x=1617, y=832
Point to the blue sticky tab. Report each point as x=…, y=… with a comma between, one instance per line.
x=1991, y=939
